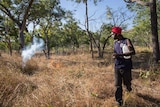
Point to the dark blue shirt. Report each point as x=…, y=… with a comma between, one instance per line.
x=121, y=62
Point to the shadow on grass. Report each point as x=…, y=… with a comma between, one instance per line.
x=135, y=75
x=155, y=102
x=142, y=60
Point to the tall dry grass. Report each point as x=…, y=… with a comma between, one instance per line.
x=67, y=81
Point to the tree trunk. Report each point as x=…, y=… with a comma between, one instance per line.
x=21, y=39
x=100, y=53
x=10, y=46
x=47, y=47
x=153, y=13
x=87, y=29
x=104, y=45
x=154, y=30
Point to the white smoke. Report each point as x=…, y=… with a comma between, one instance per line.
x=30, y=50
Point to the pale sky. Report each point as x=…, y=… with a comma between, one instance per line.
x=96, y=12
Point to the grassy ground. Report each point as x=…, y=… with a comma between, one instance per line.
x=74, y=81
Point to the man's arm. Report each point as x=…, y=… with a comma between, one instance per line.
x=130, y=47
x=131, y=50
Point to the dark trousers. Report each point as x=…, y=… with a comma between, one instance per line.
x=122, y=76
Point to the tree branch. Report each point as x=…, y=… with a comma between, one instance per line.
x=138, y=2
x=7, y=12
x=26, y=15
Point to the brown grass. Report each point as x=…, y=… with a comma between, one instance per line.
x=70, y=81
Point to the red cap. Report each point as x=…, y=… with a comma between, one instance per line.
x=116, y=30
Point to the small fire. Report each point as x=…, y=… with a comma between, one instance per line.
x=55, y=64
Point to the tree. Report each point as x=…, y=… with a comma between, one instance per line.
x=53, y=13
x=105, y=29
x=8, y=32
x=87, y=22
x=115, y=18
x=67, y=34
x=10, y=9
x=24, y=12
x=142, y=27
x=154, y=29
x=72, y=31
x=118, y=17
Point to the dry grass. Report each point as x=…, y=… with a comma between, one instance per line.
x=69, y=81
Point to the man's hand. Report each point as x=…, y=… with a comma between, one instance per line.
x=115, y=55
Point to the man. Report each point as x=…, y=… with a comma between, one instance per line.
x=123, y=63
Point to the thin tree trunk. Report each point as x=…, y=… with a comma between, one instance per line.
x=21, y=39
x=10, y=46
x=47, y=46
x=100, y=55
x=104, y=45
x=154, y=30
x=87, y=28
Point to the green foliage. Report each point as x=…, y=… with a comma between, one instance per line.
x=44, y=9
x=84, y=1
x=145, y=74
x=158, y=15
x=105, y=31
x=66, y=34
x=2, y=46
x=149, y=74
x=28, y=38
x=8, y=33
x=142, y=25
x=39, y=9
x=48, y=14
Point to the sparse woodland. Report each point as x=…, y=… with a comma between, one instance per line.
x=74, y=80
x=74, y=66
